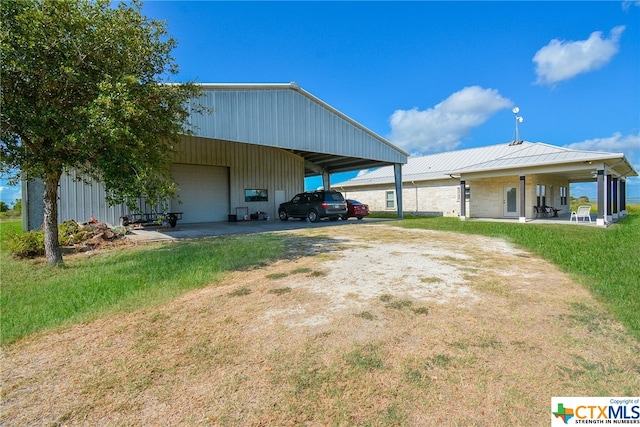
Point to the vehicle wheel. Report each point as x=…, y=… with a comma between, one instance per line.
x=283, y=215
x=334, y=218
x=172, y=220
x=312, y=216
x=360, y=217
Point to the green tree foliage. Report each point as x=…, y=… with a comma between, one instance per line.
x=85, y=86
x=17, y=207
x=3, y=206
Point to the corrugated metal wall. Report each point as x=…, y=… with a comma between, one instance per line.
x=286, y=118
x=79, y=201
x=250, y=167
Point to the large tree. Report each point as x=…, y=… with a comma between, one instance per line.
x=85, y=86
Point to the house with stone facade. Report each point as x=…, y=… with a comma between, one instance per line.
x=509, y=180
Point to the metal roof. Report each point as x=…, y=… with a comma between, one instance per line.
x=500, y=159
x=286, y=116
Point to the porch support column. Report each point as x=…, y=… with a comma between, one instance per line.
x=601, y=197
x=463, y=200
x=623, y=197
x=326, y=180
x=609, y=189
x=615, y=196
x=523, y=204
x=397, y=173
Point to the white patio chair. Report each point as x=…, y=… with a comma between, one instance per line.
x=583, y=211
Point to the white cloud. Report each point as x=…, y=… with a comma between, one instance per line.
x=629, y=145
x=562, y=60
x=441, y=127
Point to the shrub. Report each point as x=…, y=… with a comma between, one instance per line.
x=31, y=244
x=70, y=233
x=26, y=245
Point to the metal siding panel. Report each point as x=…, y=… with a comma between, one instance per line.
x=79, y=202
x=284, y=117
x=63, y=198
x=241, y=112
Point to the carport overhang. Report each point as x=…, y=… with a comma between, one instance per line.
x=319, y=163
x=287, y=117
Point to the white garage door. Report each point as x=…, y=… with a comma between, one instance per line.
x=204, y=192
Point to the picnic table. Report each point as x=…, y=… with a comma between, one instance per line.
x=146, y=218
x=546, y=211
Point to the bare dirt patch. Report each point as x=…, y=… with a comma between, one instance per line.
x=364, y=325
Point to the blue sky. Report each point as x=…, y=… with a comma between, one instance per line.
x=433, y=76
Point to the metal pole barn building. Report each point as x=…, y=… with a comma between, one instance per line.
x=255, y=139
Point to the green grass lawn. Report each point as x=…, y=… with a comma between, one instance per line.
x=36, y=296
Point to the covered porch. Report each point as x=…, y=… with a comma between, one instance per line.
x=535, y=188
x=561, y=219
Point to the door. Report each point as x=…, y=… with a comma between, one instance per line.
x=301, y=205
x=203, y=191
x=279, y=198
x=510, y=201
x=293, y=207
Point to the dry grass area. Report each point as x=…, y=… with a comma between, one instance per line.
x=368, y=325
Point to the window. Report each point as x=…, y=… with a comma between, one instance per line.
x=390, y=200
x=541, y=195
x=467, y=193
x=256, y=195
x=563, y=196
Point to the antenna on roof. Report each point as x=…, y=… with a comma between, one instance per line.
x=519, y=119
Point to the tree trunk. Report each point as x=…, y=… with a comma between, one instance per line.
x=50, y=198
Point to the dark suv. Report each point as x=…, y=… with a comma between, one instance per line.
x=314, y=205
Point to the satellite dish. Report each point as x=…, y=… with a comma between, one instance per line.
x=516, y=110
x=520, y=119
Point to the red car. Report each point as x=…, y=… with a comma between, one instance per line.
x=356, y=209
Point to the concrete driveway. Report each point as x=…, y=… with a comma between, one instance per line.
x=194, y=231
